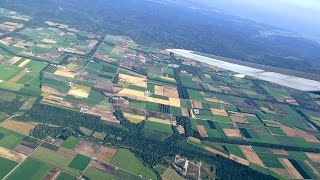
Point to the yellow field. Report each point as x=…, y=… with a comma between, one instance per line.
x=158, y=90
x=239, y=160
x=12, y=155
x=65, y=73
x=220, y=112
x=162, y=121
x=232, y=132
x=79, y=92
x=132, y=94
x=193, y=139
x=157, y=100
x=25, y=62
x=21, y=127
x=18, y=76
x=14, y=60
x=167, y=78
x=138, y=81
x=174, y=102
x=290, y=168
x=134, y=118
x=251, y=155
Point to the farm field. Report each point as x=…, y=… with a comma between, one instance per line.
x=10, y=139
x=30, y=169
x=77, y=104
x=6, y=166
x=126, y=160
x=55, y=159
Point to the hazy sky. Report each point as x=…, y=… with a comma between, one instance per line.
x=298, y=15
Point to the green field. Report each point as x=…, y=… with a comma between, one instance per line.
x=8, y=71
x=155, y=126
x=59, y=85
x=66, y=176
x=215, y=131
x=92, y=173
x=269, y=117
x=70, y=142
x=234, y=149
x=30, y=169
x=6, y=166
x=36, y=66
x=10, y=139
x=125, y=159
x=268, y=158
x=54, y=158
x=80, y=162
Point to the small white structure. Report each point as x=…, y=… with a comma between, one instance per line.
x=147, y=93
x=84, y=110
x=27, y=70
x=241, y=76
x=196, y=111
x=70, y=84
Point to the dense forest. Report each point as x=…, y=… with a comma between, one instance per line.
x=166, y=25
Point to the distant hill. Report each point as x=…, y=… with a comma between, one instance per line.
x=168, y=25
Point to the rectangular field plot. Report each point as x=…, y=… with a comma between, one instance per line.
x=80, y=162
x=12, y=86
x=18, y=126
x=105, y=154
x=268, y=158
x=55, y=158
x=210, y=128
x=8, y=71
x=10, y=139
x=156, y=128
x=6, y=166
x=70, y=142
x=59, y=85
x=126, y=160
x=66, y=176
x=30, y=169
x=103, y=171
x=234, y=149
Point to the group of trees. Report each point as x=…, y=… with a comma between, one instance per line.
x=173, y=26
x=150, y=150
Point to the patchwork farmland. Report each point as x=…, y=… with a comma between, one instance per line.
x=74, y=104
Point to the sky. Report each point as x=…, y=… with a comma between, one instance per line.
x=301, y=16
